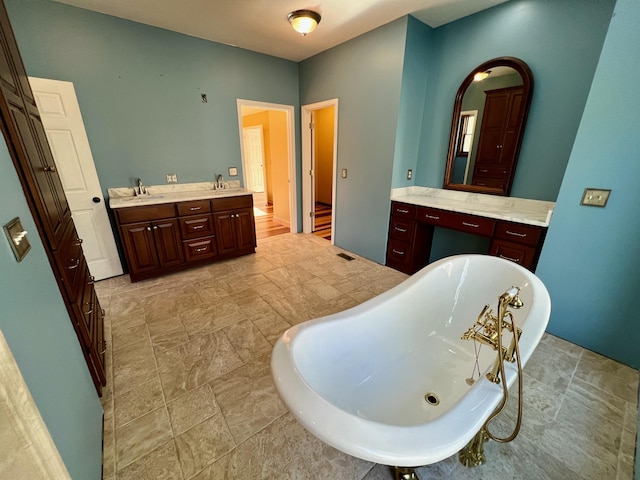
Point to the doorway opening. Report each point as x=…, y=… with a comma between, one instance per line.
x=319, y=159
x=268, y=165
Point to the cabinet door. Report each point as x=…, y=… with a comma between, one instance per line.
x=168, y=243
x=245, y=228
x=140, y=247
x=27, y=140
x=225, y=232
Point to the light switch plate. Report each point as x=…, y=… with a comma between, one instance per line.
x=17, y=236
x=595, y=197
x=233, y=171
x=344, y=173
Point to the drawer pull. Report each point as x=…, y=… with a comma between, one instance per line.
x=197, y=227
x=431, y=217
x=472, y=225
x=401, y=230
x=195, y=209
x=515, y=260
x=204, y=249
x=78, y=242
x=90, y=311
x=400, y=210
x=516, y=234
x=92, y=280
x=74, y=266
x=104, y=347
x=397, y=252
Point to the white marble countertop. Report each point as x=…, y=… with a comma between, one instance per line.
x=512, y=209
x=158, y=194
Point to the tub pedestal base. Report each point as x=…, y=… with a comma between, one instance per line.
x=404, y=473
x=473, y=454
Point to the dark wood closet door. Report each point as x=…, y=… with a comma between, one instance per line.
x=27, y=142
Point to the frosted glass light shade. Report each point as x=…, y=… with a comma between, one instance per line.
x=304, y=21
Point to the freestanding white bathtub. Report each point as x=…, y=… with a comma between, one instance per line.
x=358, y=379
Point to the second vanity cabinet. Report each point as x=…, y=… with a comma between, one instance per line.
x=235, y=224
x=163, y=238
x=411, y=230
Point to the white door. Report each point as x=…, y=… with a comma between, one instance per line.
x=60, y=112
x=254, y=158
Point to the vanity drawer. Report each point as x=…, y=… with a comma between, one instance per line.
x=517, y=253
x=194, y=227
x=195, y=207
x=398, y=253
x=232, y=203
x=518, y=232
x=457, y=221
x=142, y=214
x=403, y=210
x=402, y=229
x=198, y=249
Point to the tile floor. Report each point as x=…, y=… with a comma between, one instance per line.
x=189, y=393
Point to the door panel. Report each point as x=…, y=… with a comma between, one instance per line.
x=254, y=158
x=65, y=132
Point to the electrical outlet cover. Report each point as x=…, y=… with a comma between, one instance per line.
x=595, y=197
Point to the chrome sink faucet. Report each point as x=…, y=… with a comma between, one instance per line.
x=141, y=190
x=220, y=182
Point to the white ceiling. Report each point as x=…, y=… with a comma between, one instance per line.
x=262, y=26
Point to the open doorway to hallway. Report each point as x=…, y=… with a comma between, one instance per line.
x=266, y=133
x=319, y=144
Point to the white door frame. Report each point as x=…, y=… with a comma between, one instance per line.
x=307, y=174
x=291, y=134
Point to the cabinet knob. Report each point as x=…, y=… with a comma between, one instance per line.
x=49, y=168
x=155, y=227
x=148, y=229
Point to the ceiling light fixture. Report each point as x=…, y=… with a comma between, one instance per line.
x=478, y=77
x=304, y=21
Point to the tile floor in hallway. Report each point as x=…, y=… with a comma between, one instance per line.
x=190, y=396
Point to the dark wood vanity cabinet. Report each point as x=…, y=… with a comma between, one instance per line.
x=235, y=225
x=411, y=230
x=409, y=245
x=151, y=239
x=163, y=238
x=29, y=149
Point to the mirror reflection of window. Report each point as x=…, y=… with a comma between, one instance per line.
x=465, y=139
x=464, y=145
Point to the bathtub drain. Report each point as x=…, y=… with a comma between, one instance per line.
x=432, y=399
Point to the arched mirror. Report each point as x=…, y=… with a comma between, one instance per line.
x=489, y=117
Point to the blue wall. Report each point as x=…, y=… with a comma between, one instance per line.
x=139, y=90
x=417, y=77
x=365, y=74
x=560, y=41
x=591, y=260
x=36, y=324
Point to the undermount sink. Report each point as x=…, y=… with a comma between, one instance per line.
x=142, y=198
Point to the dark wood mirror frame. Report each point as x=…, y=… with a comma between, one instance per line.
x=527, y=90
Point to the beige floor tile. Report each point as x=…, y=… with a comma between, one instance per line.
x=192, y=408
x=138, y=401
x=132, y=366
x=141, y=436
x=247, y=340
x=248, y=399
x=203, y=444
x=161, y=463
x=609, y=375
x=270, y=324
x=195, y=363
x=127, y=336
x=561, y=372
